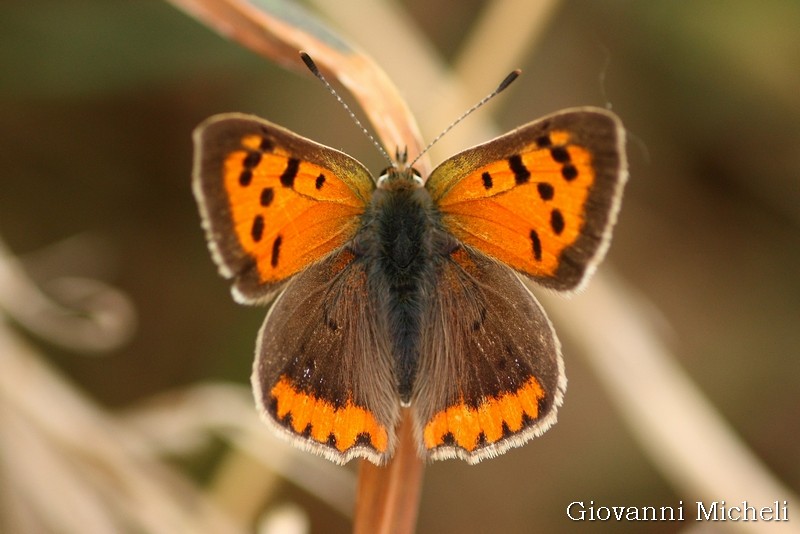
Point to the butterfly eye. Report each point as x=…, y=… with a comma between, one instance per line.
x=385, y=175
x=417, y=177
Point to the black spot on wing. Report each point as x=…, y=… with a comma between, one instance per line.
x=546, y=191
x=267, y=196
x=252, y=159
x=266, y=145
x=332, y=324
x=257, y=230
x=331, y=440
x=286, y=420
x=521, y=172
x=569, y=172
x=536, y=244
x=506, y=431
x=364, y=438
x=560, y=154
x=276, y=251
x=476, y=325
x=290, y=173
x=449, y=439
x=557, y=221
x=487, y=180
x=527, y=420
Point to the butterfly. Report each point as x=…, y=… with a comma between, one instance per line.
x=404, y=294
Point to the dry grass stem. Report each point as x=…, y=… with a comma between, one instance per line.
x=182, y=421
x=280, y=34
x=388, y=496
x=71, y=467
x=89, y=316
x=517, y=25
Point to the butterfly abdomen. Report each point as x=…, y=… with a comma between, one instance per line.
x=397, y=244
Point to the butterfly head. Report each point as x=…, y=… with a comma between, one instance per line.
x=400, y=177
x=400, y=174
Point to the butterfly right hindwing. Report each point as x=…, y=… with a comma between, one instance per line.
x=323, y=374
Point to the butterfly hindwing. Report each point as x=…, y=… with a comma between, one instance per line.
x=272, y=202
x=542, y=198
x=491, y=375
x=323, y=374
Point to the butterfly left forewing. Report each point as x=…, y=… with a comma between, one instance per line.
x=272, y=202
x=542, y=199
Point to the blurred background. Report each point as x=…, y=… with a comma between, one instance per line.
x=98, y=99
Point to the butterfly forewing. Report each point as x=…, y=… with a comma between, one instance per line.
x=273, y=202
x=542, y=198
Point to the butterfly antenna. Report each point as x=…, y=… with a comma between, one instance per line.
x=500, y=88
x=315, y=71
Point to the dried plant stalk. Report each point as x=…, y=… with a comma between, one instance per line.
x=279, y=30
x=388, y=497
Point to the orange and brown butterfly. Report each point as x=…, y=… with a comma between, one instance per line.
x=405, y=291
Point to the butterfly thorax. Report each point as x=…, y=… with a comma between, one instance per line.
x=399, y=244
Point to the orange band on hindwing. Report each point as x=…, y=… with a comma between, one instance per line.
x=494, y=419
x=319, y=420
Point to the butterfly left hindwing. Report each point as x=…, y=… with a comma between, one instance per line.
x=323, y=374
x=491, y=375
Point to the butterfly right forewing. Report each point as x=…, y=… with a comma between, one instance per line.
x=272, y=202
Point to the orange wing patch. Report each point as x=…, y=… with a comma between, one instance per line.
x=524, y=210
x=320, y=421
x=495, y=419
x=286, y=213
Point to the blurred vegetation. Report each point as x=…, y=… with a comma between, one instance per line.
x=98, y=99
